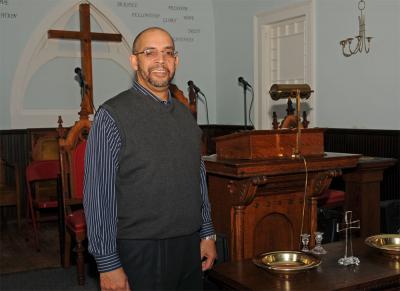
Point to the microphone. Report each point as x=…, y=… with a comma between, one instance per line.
x=244, y=82
x=81, y=80
x=78, y=71
x=196, y=89
x=245, y=86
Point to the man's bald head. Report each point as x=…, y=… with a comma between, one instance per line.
x=142, y=33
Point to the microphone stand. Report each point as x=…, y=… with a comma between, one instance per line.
x=82, y=84
x=245, y=105
x=205, y=99
x=83, y=89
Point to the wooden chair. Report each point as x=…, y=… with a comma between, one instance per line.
x=331, y=198
x=330, y=212
x=72, y=152
x=36, y=172
x=44, y=144
x=191, y=103
x=10, y=192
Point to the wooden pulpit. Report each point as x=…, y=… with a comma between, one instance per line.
x=262, y=198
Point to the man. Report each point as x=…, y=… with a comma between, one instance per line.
x=146, y=202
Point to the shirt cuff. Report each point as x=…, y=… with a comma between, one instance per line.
x=108, y=263
x=207, y=229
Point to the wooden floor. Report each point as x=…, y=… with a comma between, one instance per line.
x=17, y=250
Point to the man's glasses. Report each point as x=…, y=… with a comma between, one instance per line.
x=154, y=53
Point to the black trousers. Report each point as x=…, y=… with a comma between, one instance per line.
x=167, y=264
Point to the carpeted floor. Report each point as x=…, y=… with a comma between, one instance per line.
x=17, y=254
x=23, y=268
x=47, y=279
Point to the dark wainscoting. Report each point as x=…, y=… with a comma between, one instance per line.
x=370, y=142
x=15, y=147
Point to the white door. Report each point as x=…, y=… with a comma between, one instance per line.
x=283, y=55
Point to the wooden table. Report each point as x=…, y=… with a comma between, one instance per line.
x=375, y=271
x=259, y=204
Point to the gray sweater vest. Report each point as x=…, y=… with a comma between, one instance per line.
x=158, y=180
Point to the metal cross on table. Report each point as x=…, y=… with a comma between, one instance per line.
x=347, y=226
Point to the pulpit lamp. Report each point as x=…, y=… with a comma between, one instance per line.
x=298, y=91
x=284, y=91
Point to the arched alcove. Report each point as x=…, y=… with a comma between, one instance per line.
x=46, y=65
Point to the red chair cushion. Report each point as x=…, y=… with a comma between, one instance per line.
x=76, y=221
x=332, y=196
x=79, y=169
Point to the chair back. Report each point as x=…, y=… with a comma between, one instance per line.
x=39, y=171
x=45, y=148
x=72, y=144
x=42, y=170
x=77, y=169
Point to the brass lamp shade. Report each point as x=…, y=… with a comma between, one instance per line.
x=284, y=91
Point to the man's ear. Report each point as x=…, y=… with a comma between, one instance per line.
x=176, y=60
x=134, y=62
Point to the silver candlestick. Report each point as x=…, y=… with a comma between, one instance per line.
x=305, y=239
x=318, y=249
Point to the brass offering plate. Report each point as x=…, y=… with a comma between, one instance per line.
x=388, y=244
x=286, y=262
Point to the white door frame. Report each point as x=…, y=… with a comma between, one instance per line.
x=262, y=101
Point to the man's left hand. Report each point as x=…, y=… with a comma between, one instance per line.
x=208, y=253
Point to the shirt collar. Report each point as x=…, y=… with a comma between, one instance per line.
x=136, y=86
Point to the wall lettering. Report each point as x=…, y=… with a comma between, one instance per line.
x=8, y=15
x=183, y=39
x=169, y=20
x=145, y=15
x=193, y=30
x=126, y=4
x=177, y=8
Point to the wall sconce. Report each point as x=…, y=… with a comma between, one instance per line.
x=361, y=38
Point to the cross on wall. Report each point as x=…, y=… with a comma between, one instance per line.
x=86, y=37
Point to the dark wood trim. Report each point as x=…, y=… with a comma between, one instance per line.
x=385, y=132
x=369, y=142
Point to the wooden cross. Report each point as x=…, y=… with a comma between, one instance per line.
x=85, y=36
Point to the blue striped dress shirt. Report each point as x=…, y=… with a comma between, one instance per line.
x=101, y=164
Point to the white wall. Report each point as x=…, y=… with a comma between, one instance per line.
x=36, y=85
x=234, y=53
x=356, y=92
x=360, y=91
